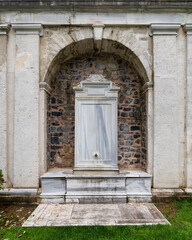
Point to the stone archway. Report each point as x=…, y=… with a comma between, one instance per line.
x=86, y=47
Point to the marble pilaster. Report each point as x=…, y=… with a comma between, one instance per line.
x=3, y=103
x=45, y=90
x=148, y=90
x=166, y=160
x=188, y=29
x=26, y=115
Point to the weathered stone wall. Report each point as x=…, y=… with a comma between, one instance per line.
x=131, y=110
x=160, y=51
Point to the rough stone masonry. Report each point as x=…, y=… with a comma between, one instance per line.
x=131, y=110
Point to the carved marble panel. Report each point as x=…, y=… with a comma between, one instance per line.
x=96, y=124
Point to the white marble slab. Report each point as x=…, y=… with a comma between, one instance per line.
x=92, y=214
x=96, y=124
x=53, y=186
x=95, y=186
x=138, y=186
x=132, y=186
x=23, y=192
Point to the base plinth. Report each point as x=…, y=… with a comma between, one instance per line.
x=130, y=186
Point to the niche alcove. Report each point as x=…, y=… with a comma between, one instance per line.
x=132, y=137
x=73, y=66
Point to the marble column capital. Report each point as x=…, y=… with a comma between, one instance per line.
x=164, y=29
x=46, y=87
x=188, y=29
x=147, y=86
x=28, y=29
x=4, y=28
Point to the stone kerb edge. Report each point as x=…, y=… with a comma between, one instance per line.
x=4, y=28
x=188, y=29
x=28, y=29
x=163, y=29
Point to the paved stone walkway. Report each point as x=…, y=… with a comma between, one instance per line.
x=95, y=214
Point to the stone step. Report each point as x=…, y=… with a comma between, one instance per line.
x=130, y=186
x=92, y=214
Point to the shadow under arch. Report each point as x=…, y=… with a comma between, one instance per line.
x=87, y=46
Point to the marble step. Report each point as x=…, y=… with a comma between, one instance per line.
x=130, y=186
x=95, y=214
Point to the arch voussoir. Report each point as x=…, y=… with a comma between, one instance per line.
x=79, y=41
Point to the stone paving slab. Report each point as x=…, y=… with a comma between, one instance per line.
x=95, y=214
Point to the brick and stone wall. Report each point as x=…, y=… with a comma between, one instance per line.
x=131, y=110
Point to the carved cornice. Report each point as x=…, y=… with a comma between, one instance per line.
x=28, y=28
x=164, y=29
x=96, y=79
x=4, y=28
x=93, y=3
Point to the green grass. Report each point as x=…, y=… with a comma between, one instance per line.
x=100, y=232
x=184, y=215
x=181, y=229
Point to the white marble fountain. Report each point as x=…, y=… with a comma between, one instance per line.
x=96, y=177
